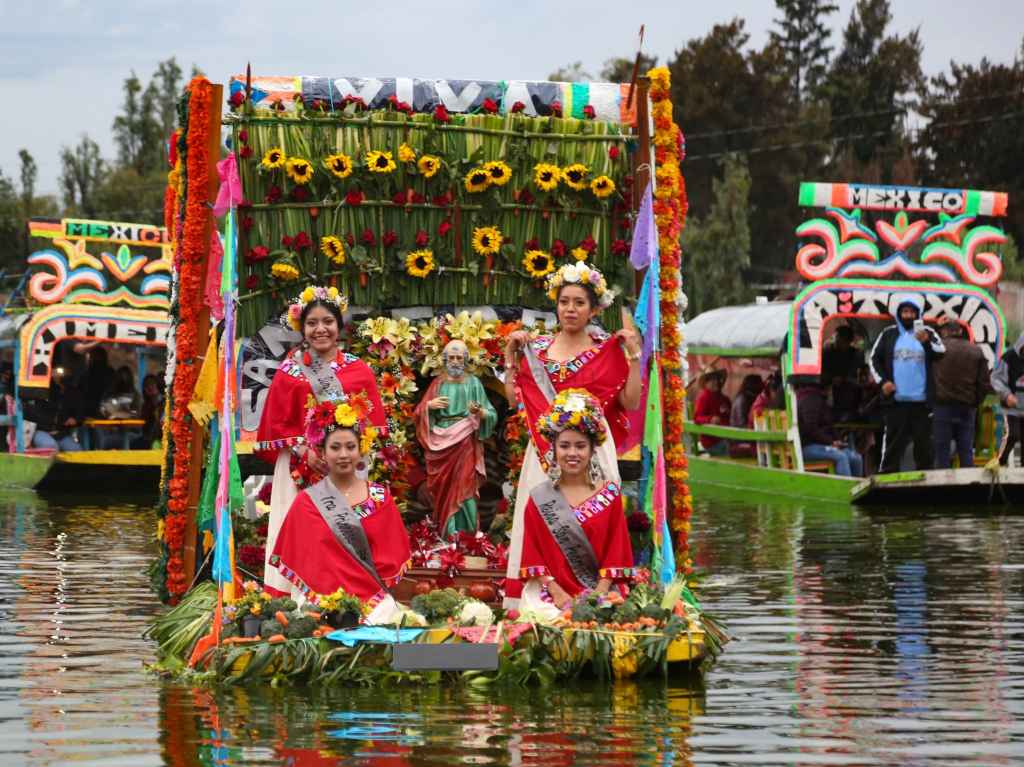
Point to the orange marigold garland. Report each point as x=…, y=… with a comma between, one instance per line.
x=670, y=215
x=189, y=257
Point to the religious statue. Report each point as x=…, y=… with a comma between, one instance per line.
x=451, y=420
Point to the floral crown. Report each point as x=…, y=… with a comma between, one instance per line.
x=573, y=409
x=310, y=294
x=580, y=274
x=353, y=413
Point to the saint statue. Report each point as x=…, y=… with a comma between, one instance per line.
x=451, y=420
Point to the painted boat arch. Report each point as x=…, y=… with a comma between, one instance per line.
x=827, y=300
x=39, y=336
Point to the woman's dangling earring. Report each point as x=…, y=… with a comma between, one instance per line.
x=594, y=472
x=307, y=358
x=554, y=470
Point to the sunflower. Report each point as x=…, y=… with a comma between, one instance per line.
x=576, y=176
x=274, y=158
x=499, y=172
x=602, y=186
x=477, y=180
x=429, y=165
x=380, y=162
x=579, y=254
x=333, y=248
x=406, y=153
x=487, y=240
x=299, y=170
x=339, y=164
x=546, y=176
x=419, y=263
x=538, y=263
x=284, y=271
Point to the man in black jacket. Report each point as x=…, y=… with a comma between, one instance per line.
x=1008, y=381
x=901, y=361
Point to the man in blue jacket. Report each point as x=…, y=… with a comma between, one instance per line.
x=901, y=361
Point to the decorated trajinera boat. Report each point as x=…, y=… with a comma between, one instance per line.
x=873, y=249
x=93, y=293
x=444, y=218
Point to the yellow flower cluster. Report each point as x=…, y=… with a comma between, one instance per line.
x=345, y=415
x=580, y=274
x=282, y=270
x=406, y=153
x=494, y=173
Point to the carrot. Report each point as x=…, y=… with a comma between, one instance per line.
x=241, y=640
x=314, y=615
x=277, y=639
x=281, y=618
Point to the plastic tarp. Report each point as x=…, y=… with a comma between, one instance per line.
x=737, y=328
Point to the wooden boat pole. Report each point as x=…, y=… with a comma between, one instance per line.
x=642, y=160
x=203, y=323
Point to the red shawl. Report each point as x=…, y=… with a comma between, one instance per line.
x=605, y=527
x=310, y=557
x=601, y=370
x=454, y=458
x=284, y=411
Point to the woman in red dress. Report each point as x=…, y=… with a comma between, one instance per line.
x=576, y=356
x=316, y=368
x=342, y=532
x=575, y=535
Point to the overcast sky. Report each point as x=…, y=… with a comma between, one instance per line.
x=62, y=62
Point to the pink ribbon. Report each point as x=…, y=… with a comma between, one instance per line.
x=230, y=192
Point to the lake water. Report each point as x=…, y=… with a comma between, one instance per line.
x=861, y=638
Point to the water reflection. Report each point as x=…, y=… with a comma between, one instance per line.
x=862, y=638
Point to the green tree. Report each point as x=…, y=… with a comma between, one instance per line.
x=870, y=88
x=620, y=69
x=11, y=224
x=126, y=195
x=82, y=172
x=802, y=33
x=571, y=73
x=973, y=138
x=716, y=248
x=168, y=87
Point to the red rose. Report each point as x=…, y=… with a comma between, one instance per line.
x=359, y=103
x=247, y=223
x=588, y=112
x=519, y=106
x=252, y=282
x=302, y=241
x=418, y=199
x=399, y=198
x=558, y=249
x=613, y=152
x=287, y=241
x=489, y=105
x=354, y=197
x=243, y=135
x=273, y=194
x=244, y=204
x=422, y=238
x=442, y=200
x=245, y=152
x=300, y=194
x=556, y=108
x=403, y=106
x=525, y=198
x=237, y=99
x=444, y=228
x=620, y=247
x=588, y=244
x=367, y=237
x=534, y=244
x=350, y=239
x=389, y=238
x=441, y=114
x=257, y=254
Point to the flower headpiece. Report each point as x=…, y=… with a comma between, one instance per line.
x=353, y=413
x=578, y=273
x=310, y=294
x=573, y=409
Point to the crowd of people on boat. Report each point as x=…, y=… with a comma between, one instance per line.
x=331, y=527
x=918, y=388
x=90, y=403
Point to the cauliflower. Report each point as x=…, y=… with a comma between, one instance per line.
x=475, y=613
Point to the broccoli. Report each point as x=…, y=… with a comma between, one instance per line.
x=438, y=604
x=289, y=606
x=627, y=612
x=270, y=627
x=656, y=611
x=278, y=603
x=300, y=626
x=229, y=630
x=584, y=612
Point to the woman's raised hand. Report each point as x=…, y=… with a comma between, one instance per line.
x=630, y=340
x=513, y=343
